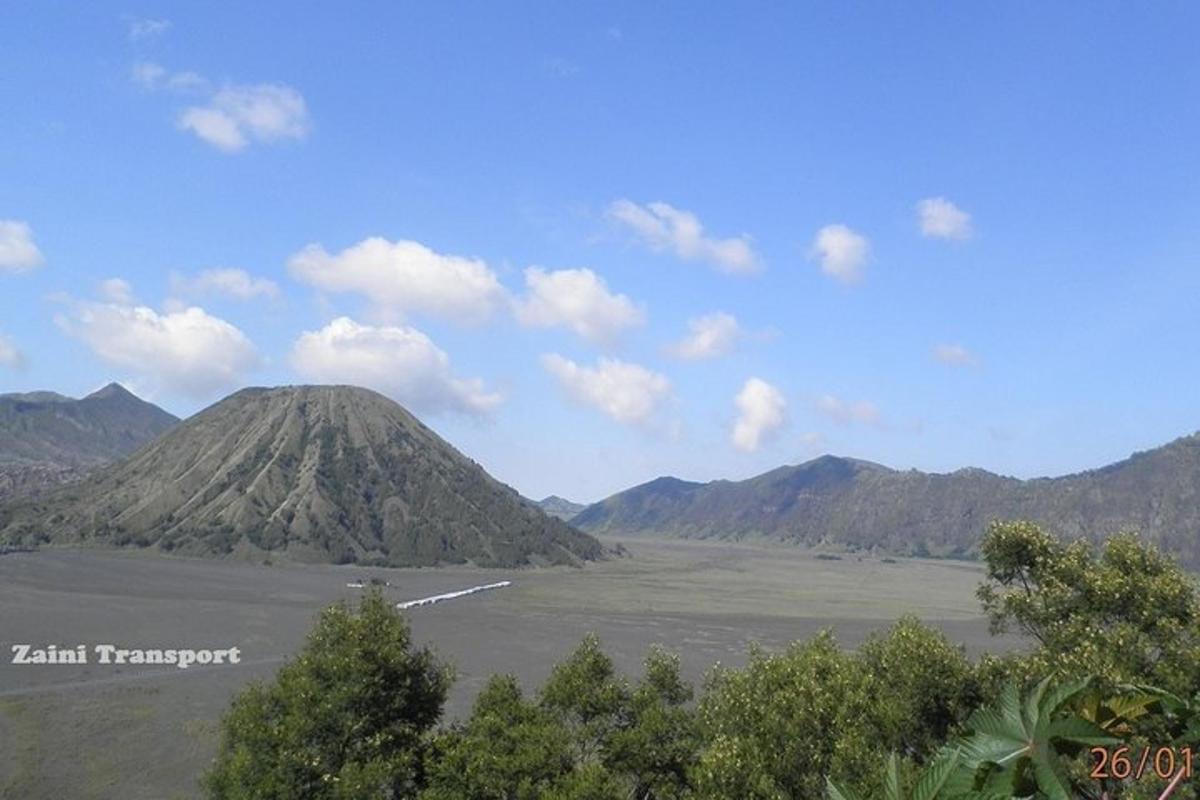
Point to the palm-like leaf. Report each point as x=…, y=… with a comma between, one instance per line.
x=1014, y=746
x=936, y=776
x=1013, y=749
x=929, y=786
x=835, y=792
x=1115, y=712
x=891, y=779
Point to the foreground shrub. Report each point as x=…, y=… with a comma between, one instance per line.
x=509, y=749
x=346, y=719
x=1127, y=614
x=589, y=735
x=776, y=728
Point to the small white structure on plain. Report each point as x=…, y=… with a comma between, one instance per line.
x=437, y=598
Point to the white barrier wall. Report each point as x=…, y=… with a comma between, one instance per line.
x=437, y=598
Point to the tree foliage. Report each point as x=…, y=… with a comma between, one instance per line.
x=1114, y=658
x=346, y=719
x=780, y=725
x=1128, y=614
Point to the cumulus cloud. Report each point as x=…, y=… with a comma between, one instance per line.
x=762, y=411
x=402, y=277
x=116, y=290
x=141, y=29
x=238, y=115
x=629, y=393
x=401, y=362
x=10, y=356
x=235, y=283
x=577, y=299
x=941, y=219
x=844, y=412
x=841, y=251
x=18, y=253
x=954, y=355
x=186, y=350
x=665, y=228
x=710, y=336
x=233, y=116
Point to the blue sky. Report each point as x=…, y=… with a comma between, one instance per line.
x=591, y=244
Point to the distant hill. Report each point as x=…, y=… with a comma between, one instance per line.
x=47, y=439
x=559, y=507
x=311, y=473
x=846, y=503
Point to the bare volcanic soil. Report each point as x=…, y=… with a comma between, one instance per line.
x=148, y=732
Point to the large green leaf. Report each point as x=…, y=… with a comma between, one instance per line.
x=1016, y=744
x=936, y=775
x=835, y=792
x=1054, y=699
x=891, y=779
x=1079, y=731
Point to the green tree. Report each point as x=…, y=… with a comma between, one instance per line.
x=656, y=746
x=590, y=735
x=509, y=749
x=774, y=728
x=926, y=685
x=587, y=696
x=1128, y=615
x=346, y=719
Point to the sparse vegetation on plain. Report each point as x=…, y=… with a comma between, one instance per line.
x=810, y=720
x=705, y=601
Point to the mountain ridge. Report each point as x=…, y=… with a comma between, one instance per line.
x=559, y=507
x=312, y=473
x=47, y=439
x=838, y=502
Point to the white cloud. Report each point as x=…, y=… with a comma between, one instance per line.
x=235, y=283
x=941, y=219
x=186, y=350
x=116, y=290
x=710, y=336
x=663, y=227
x=140, y=29
x=577, y=299
x=400, y=362
x=152, y=76
x=844, y=412
x=629, y=393
x=762, y=411
x=954, y=355
x=18, y=253
x=147, y=74
x=402, y=277
x=237, y=115
x=841, y=251
x=10, y=356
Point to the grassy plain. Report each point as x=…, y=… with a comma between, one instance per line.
x=98, y=731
